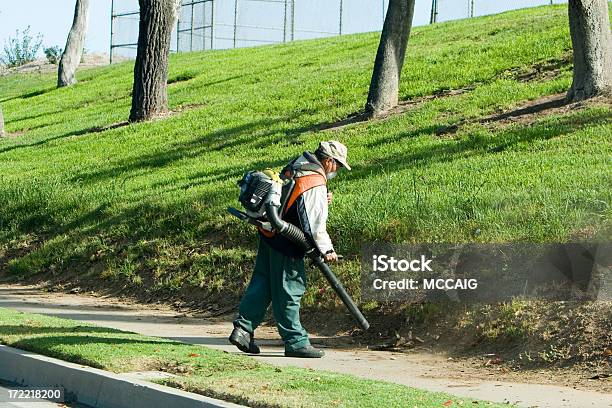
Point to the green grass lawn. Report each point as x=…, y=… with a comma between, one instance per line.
x=143, y=205
x=232, y=377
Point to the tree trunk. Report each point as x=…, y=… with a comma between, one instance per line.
x=74, y=45
x=384, y=87
x=149, y=93
x=592, y=42
x=1, y=123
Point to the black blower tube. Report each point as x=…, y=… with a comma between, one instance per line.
x=296, y=235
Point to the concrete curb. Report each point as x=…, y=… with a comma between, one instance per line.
x=93, y=387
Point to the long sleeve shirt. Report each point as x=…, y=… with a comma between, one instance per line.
x=314, y=219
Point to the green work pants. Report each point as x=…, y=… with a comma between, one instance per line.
x=281, y=280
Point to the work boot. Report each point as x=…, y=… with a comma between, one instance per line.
x=244, y=341
x=305, y=352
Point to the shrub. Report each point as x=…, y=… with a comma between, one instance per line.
x=53, y=54
x=21, y=49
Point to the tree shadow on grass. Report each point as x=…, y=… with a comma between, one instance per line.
x=40, y=115
x=39, y=126
x=43, y=342
x=77, y=335
x=425, y=130
x=48, y=345
x=221, y=139
x=476, y=144
x=80, y=132
x=29, y=94
x=36, y=216
x=28, y=328
x=547, y=103
x=233, y=173
x=187, y=76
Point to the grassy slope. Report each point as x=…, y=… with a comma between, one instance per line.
x=145, y=203
x=232, y=377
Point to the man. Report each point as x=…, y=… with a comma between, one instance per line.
x=279, y=277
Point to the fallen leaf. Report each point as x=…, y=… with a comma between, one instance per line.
x=448, y=403
x=194, y=355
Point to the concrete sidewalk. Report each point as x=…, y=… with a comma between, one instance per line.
x=420, y=370
x=92, y=387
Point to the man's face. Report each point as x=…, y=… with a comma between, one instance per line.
x=330, y=165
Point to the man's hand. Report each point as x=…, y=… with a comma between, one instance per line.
x=331, y=257
x=329, y=198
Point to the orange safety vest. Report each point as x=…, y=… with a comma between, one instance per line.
x=302, y=184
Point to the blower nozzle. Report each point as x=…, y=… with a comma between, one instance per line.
x=296, y=235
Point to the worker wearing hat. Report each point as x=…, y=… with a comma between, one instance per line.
x=279, y=277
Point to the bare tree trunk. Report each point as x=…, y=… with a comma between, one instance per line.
x=591, y=40
x=149, y=93
x=1, y=123
x=74, y=45
x=384, y=87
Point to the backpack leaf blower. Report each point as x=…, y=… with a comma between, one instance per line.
x=261, y=195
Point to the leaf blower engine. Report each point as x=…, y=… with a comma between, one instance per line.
x=264, y=195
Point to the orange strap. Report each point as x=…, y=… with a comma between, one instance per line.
x=302, y=184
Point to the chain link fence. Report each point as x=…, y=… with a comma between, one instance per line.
x=217, y=24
